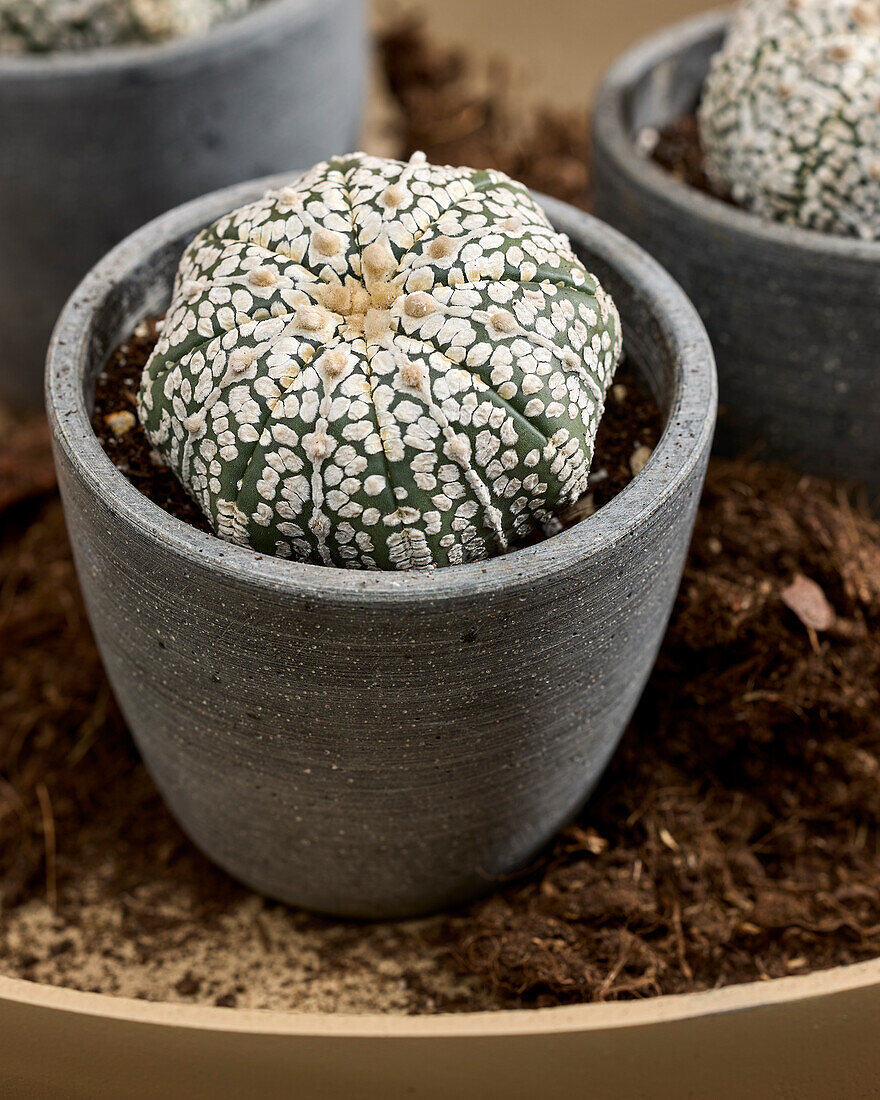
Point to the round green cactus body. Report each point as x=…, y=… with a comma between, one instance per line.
x=790, y=116
x=46, y=26
x=383, y=365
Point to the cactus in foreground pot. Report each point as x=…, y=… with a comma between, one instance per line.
x=383, y=365
x=43, y=26
x=790, y=116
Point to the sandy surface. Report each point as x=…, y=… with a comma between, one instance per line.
x=259, y=955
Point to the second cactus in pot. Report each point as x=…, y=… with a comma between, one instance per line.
x=111, y=113
x=781, y=253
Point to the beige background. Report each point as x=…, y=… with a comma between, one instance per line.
x=559, y=48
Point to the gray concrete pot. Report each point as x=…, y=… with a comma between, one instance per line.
x=793, y=314
x=93, y=145
x=376, y=744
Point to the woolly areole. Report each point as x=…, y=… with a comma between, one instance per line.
x=790, y=117
x=382, y=365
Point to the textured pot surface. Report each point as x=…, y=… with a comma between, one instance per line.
x=93, y=145
x=364, y=743
x=794, y=315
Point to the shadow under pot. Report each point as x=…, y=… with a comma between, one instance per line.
x=94, y=144
x=375, y=744
x=793, y=314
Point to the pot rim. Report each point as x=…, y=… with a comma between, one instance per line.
x=258, y=25
x=683, y=445
x=563, y=1019
x=612, y=134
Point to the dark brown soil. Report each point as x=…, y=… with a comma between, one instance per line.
x=116, y=392
x=628, y=432
x=678, y=149
x=736, y=835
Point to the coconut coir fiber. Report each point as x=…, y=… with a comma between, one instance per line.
x=735, y=836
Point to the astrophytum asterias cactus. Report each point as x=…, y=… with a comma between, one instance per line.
x=790, y=117
x=384, y=364
x=43, y=26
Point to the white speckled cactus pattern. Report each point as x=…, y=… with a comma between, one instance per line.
x=383, y=365
x=44, y=26
x=790, y=117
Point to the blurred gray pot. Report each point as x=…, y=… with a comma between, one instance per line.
x=92, y=145
x=793, y=314
x=376, y=744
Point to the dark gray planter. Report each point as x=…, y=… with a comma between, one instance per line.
x=794, y=315
x=93, y=145
x=376, y=744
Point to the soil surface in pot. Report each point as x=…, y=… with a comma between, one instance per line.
x=678, y=149
x=736, y=835
x=629, y=431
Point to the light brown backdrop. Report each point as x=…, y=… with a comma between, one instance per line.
x=558, y=47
